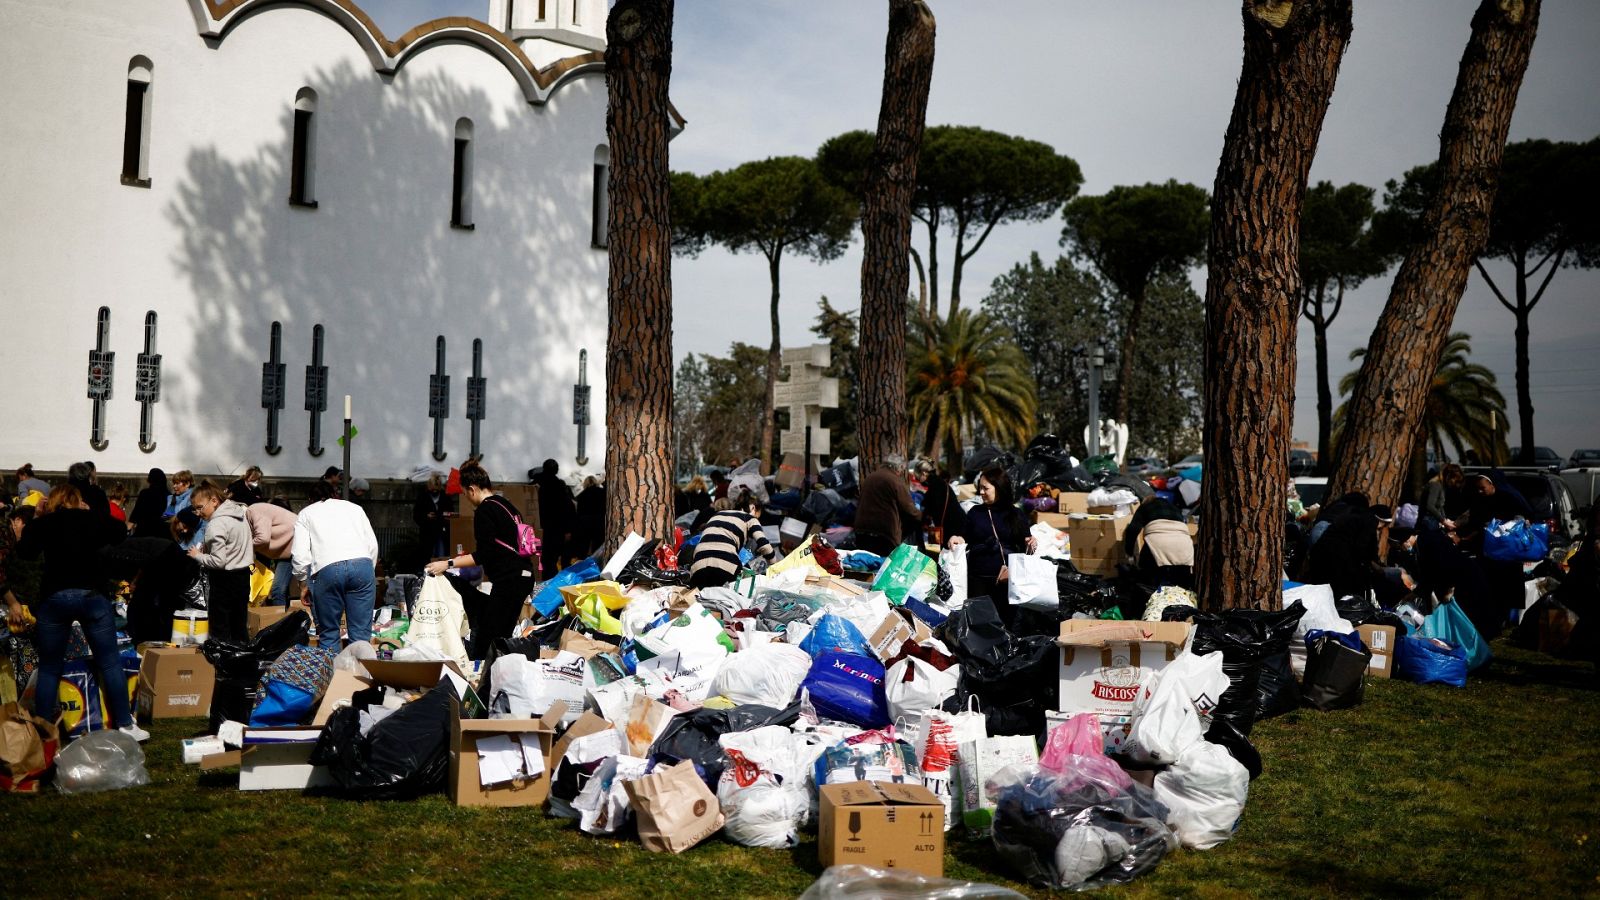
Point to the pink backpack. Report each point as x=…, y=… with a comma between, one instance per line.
x=527, y=539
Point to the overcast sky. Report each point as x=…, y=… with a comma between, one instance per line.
x=1135, y=92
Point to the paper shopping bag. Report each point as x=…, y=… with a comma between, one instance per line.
x=674, y=808
x=27, y=749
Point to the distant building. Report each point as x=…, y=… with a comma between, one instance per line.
x=222, y=216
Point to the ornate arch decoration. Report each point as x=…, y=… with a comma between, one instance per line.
x=215, y=19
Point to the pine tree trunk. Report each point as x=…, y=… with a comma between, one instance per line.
x=1125, y=364
x=1319, y=328
x=1524, y=387
x=1291, y=61
x=639, y=484
x=774, y=361
x=886, y=229
x=1391, y=389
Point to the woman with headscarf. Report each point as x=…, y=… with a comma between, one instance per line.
x=150, y=507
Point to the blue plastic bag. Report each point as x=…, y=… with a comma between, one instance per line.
x=926, y=613
x=1516, y=541
x=1427, y=660
x=282, y=704
x=549, y=598
x=833, y=634
x=846, y=687
x=1448, y=623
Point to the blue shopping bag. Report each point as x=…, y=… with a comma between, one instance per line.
x=1426, y=660
x=846, y=687
x=549, y=598
x=1516, y=541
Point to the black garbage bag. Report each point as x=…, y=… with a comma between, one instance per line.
x=987, y=457
x=1060, y=831
x=1013, y=677
x=1224, y=734
x=1247, y=638
x=1277, y=692
x=1139, y=486
x=1356, y=610
x=1026, y=474
x=1081, y=593
x=404, y=756
x=693, y=736
x=239, y=667
x=1335, y=675
x=1179, y=614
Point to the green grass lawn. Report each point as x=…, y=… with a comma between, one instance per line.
x=1490, y=790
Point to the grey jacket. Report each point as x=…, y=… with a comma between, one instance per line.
x=228, y=543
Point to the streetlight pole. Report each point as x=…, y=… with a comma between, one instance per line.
x=1097, y=361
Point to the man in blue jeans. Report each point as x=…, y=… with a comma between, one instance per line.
x=335, y=552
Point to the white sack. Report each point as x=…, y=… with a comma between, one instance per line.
x=767, y=675
x=1205, y=793
x=1033, y=582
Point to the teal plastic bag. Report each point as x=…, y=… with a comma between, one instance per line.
x=1448, y=623
x=908, y=572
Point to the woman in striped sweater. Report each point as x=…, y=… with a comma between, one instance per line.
x=716, y=557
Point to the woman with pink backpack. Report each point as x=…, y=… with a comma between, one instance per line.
x=508, y=551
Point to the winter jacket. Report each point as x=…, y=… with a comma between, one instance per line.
x=271, y=529
x=228, y=544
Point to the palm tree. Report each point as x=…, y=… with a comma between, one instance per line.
x=1464, y=407
x=965, y=373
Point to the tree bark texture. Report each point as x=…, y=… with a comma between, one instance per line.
x=1125, y=364
x=1291, y=61
x=1391, y=389
x=1524, y=383
x=639, y=485
x=886, y=229
x=774, y=361
x=1319, y=328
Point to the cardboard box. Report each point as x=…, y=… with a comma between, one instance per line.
x=881, y=824
x=260, y=617
x=1106, y=667
x=1058, y=521
x=461, y=534
x=279, y=759
x=465, y=785
x=1095, y=543
x=1068, y=502
x=1380, y=639
x=387, y=673
x=525, y=497
x=890, y=636
x=174, y=683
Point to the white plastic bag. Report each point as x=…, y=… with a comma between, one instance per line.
x=938, y=745
x=953, y=560
x=1321, y=611
x=763, y=788
x=437, y=620
x=602, y=805
x=767, y=675
x=1176, y=712
x=915, y=686
x=865, y=612
x=1033, y=582
x=521, y=688
x=1205, y=793
x=688, y=651
x=1048, y=541
x=350, y=658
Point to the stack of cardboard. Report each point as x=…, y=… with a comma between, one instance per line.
x=1095, y=542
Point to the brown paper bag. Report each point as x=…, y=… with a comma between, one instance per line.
x=27, y=748
x=583, y=645
x=674, y=808
x=646, y=718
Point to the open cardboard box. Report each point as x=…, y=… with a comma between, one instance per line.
x=466, y=787
x=274, y=759
x=381, y=673
x=1107, y=666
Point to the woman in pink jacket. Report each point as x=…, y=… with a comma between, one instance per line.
x=272, y=532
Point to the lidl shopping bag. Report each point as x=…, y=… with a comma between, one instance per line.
x=82, y=704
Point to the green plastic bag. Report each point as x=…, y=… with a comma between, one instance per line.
x=908, y=572
x=592, y=611
x=1114, y=613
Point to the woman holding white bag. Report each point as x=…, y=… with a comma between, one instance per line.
x=998, y=530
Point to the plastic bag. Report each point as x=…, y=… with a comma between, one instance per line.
x=1426, y=660
x=847, y=882
x=105, y=760
x=832, y=634
x=1015, y=677
x=763, y=788
x=693, y=735
x=1321, y=610
x=549, y=599
x=1335, y=671
x=1048, y=541
x=908, y=572
x=913, y=686
x=768, y=675
x=1075, y=750
x=1247, y=639
x=1176, y=713
x=873, y=756
x=404, y=756
x=1450, y=624
x=1074, y=833
x=1516, y=541
x=848, y=688
x=938, y=748
x=981, y=760
x=282, y=704
x=351, y=657
x=1033, y=583
x=239, y=667
x=953, y=562
x=602, y=805
x=437, y=620
x=1205, y=793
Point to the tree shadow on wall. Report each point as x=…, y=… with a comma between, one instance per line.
x=379, y=264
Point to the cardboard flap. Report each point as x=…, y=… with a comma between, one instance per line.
x=406, y=674
x=913, y=794
x=552, y=717
x=223, y=760
x=1100, y=633
x=587, y=724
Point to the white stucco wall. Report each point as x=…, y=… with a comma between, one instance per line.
x=214, y=247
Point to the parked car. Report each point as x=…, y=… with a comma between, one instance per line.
x=1301, y=462
x=1193, y=459
x=1543, y=457
x=1584, y=459
x=1311, y=488
x=1146, y=465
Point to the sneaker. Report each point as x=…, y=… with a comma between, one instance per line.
x=135, y=732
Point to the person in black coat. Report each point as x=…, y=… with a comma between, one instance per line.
x=998, y=530
x=591, y=511
x=432, y=510
x=81, y=476
x=147, y=519
x=247, y=489
x=558, y=517
x=941, y=511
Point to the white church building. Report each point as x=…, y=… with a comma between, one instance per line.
x=221, y=217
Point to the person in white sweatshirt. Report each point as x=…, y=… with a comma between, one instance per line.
x=336, y=554
x=225, y=555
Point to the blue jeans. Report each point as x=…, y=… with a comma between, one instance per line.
x=99, y=621
x=349, y=587
x=282, y=574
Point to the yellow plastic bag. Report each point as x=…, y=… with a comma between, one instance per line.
x=799, y=558
x=593, y=611
x=609, y=592
x=260, y=583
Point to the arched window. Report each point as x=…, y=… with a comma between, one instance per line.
x=461, y=178
x=136, y=125
x=302, y=162
x=600, y=214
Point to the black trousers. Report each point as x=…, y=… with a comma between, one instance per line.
x=492, y=615
x=229, y=605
